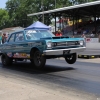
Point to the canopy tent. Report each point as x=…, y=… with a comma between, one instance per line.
x=37, y=25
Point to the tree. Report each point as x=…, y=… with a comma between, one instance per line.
x=4, y=18
x=18, y=10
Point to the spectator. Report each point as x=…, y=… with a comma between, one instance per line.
x=0, y=37
x=75, y=32
x=73, y=36
x=4, y=38
x=92, y=35
x=83, y=36
x=59, y=33
x=84, y=31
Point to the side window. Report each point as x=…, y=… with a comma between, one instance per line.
x=12, y=38
x=19, y=37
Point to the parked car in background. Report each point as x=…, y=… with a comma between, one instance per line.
x=37, y=45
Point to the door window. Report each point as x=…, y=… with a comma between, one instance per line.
x=11, y=38
x=19, y=37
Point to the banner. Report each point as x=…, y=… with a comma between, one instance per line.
x=92, y=40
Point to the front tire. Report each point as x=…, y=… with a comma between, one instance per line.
x=71, y=59
x=38, y=60
x=6, y=61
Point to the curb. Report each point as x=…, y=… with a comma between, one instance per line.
x=88, y=56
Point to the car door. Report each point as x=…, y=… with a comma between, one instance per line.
x=9, y=46
x=20, y=43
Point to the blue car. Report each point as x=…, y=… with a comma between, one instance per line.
x=37, y=45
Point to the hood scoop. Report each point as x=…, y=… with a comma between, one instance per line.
x=55, y=37
x=60, y=37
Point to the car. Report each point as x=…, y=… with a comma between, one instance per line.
x=37, y=45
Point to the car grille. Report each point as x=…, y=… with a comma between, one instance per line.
x=62, y=44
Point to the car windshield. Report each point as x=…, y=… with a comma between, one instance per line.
x=37, y=34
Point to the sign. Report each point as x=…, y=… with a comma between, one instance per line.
x=92, y=40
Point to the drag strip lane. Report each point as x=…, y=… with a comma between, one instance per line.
x=82, y=78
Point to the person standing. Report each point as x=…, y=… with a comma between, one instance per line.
x=4, y=38
x=59, y=33
x=0, y=37
x=83, y=36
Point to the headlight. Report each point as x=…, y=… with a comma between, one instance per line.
x=81, y=43
x=49, y=45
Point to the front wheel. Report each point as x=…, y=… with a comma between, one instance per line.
x=71, y=59
x=38, y=60
x=6, y=61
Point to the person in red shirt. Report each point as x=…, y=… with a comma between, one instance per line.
x=59, y=33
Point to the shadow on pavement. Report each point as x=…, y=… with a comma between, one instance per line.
x=29, y=68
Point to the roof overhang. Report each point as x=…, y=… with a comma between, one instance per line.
x=80, y=6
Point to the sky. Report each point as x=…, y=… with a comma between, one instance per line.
x=3, y=3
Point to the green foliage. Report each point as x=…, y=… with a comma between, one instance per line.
x=18, y=10
x=4, y=18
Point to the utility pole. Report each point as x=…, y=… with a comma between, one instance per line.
x=87, y=0
x=43, y=11
x=55, y=4
x=55, y=16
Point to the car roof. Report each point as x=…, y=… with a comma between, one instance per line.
x=17, y=31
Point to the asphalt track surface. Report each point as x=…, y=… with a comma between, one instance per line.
x=82, y=78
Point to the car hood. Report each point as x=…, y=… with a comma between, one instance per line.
x=61, y=39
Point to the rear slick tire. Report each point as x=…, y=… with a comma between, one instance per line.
x=38, y=60
x=6, y=61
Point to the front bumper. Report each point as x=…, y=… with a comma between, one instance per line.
x=60, y=51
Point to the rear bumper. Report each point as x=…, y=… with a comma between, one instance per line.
x=61, y=51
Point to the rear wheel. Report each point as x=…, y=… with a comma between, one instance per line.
x=6, y=61
x=38, y=60
x=71, y=59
